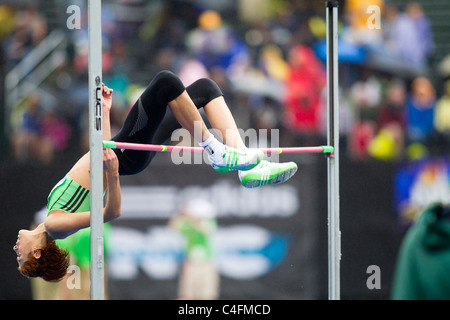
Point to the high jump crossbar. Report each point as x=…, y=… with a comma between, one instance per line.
x=165, y=148
x=95, y=147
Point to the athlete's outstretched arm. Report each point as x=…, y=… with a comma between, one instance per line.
x=113, y=207
x=61, y=224
x=80, y=171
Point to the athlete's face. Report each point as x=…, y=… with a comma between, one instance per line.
x=25, y=245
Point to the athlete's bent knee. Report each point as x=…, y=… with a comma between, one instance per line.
x=167, y=85
x=204, y=91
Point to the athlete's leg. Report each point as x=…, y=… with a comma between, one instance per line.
x=220, y=117
x=207, y=95
x=145, y=118
x=186, y=113
x=221, y=157
x=201, y=93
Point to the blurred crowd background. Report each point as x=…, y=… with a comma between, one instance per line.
x=268, y=56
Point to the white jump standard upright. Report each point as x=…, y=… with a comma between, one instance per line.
x=95, y=148
x=334, y=234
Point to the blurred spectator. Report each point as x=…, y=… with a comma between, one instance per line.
x=215, y=44
x=388, y=144
x=384, y=145
x=424, y=33
x=253, y=11
x=442, y=112
x=7, y=17
x=390, y=28
x=439, y=143
x=272, y=63
x=408, y=35
x=125, y=18
x=424, y=258
x=265, y=119
x=392, y=108
x=199, y=278
x=420, y=110
x=56, y=130
x=39, y=134
x=25, y=141
x=192, y=70
x=365, y=96
x=443, y=68
x=29, y=30
x=361, y=135
x=304, y=84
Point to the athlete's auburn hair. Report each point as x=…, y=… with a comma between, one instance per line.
x=52, y=265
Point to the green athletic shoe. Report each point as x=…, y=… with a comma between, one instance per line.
x=267, y=173
x=236, y=159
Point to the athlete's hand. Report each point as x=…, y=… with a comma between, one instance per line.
x=107, y=97
x=110, y=162
x=113, y=204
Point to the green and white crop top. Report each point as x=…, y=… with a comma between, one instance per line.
x=68, y=196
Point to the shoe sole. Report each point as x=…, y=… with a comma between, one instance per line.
x=254, y=180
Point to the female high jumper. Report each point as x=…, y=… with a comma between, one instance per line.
x=68, y=205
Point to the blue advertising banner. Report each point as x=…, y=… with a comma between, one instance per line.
x=420, y=184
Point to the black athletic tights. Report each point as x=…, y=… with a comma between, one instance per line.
x=148, y=122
